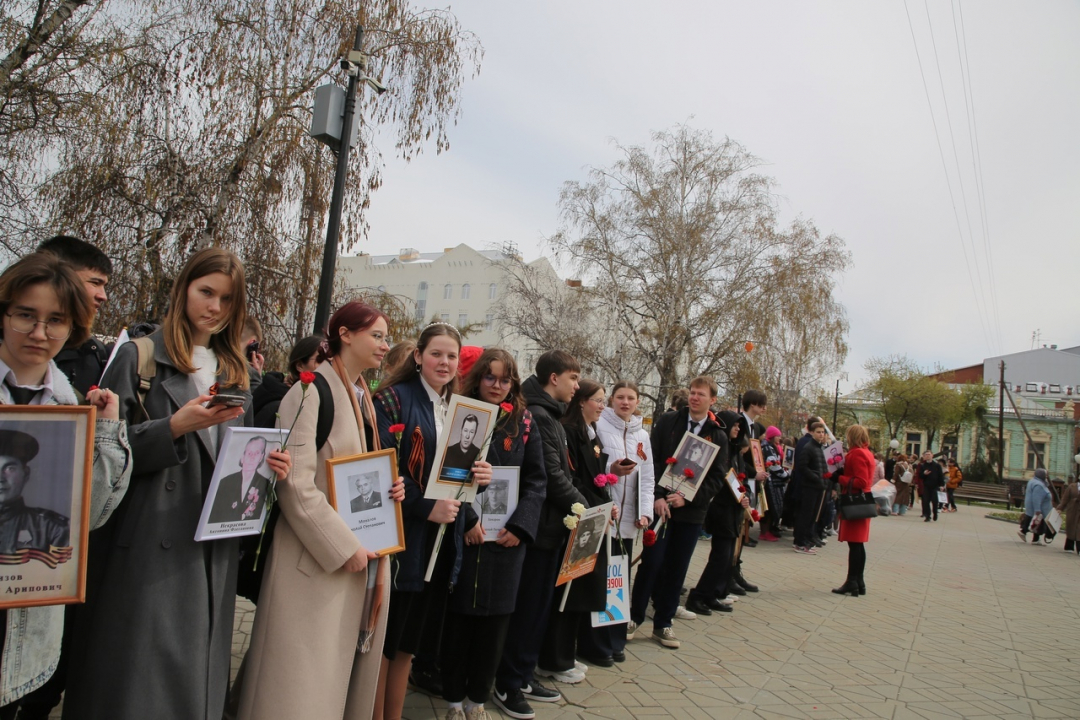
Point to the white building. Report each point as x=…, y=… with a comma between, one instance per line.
x=459, y=285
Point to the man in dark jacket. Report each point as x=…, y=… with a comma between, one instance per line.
x=664, y=564
x=933, y=479
x=547, y=394
x=811, y=469
x=83, y=365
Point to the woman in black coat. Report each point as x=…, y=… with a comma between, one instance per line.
x=479, y=610
x=588, y=594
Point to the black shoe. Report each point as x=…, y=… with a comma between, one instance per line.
x=926, y=519
x=718, y=606
x=862, y=585
x=819, y=543
x=743, y=582
x=850, y=587
x=697, y=605
x=618, y=656
x=538, y=693
x=513, y=703
x=604, y=662
x=750, y=542
x=426, y=682
x=735, y=589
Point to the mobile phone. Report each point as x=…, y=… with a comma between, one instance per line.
x=226, y=400
x=251, y=350
x=627, y=462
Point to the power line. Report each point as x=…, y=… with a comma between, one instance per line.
x=948, y=182
x=959, y=171
x=980, y=183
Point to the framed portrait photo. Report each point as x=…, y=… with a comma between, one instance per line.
x=733, y=484
x=789, y=458
x=465, y=437
x=358, y=487
x=834, y=456
x=584, y=544
x=755, y=453
x=693, y=458
x=495, y=505
x=235, y=504
x=46, y=457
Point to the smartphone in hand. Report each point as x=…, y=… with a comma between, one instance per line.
x=226, y=400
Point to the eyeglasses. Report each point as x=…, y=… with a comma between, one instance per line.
x=599, y=401
x=503, y=382
x=55, y=328
x=380, y=338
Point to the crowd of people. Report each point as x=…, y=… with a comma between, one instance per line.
x=340, y=631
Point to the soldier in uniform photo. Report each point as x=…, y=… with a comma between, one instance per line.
x=459, y=458
x=22, y=527
x=493, y=500
x=366, y=497
x=584, y=541
x=235, y=500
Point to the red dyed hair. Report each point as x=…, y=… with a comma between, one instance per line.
x=351, y=316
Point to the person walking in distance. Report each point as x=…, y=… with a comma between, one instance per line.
x=933, y=479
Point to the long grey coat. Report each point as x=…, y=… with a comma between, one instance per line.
x=154, y=638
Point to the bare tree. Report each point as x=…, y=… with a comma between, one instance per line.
x=678, y=249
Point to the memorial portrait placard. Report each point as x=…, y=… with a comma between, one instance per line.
x=358, y=487
x=235, y=503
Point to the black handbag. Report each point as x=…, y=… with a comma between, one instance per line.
x=857, y=506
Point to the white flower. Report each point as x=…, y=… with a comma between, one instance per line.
x=570, y=521
x=577, y=509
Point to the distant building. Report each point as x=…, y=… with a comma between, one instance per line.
x=458, y=285
x=1044, y=384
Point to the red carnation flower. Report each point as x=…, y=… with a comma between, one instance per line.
x=688, y=473
x=600, y=480
x=400, y=427
x=671, y=461
x=306, y=378
x=507, y=407
x=755, y=515
x=742, y=488
x=742, y=476
x=92, y=388
x=649, y=538
x=612, y=478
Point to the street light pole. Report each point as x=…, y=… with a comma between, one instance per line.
x=836, y=404
x=337, y=200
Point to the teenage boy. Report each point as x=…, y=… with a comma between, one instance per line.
x=664, y=564
x=83, y=365
x=755, y=403
x=812, y=471
x=547, y=394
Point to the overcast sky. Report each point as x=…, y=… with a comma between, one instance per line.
x=830, y=96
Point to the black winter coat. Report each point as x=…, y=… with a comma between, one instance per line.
x=561, y=493
x=666, y=435
x=587, y=460
x=266, y=399
x=811, y=468
x=725, y=514
x=490, y=573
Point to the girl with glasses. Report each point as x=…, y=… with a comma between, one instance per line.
x=45, y=309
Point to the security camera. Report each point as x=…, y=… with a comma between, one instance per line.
x=375, y=85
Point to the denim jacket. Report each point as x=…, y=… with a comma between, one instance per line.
x=32, y=647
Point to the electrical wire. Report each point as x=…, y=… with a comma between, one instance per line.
x=948, y=182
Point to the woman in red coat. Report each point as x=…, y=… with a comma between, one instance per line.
x=857, y=477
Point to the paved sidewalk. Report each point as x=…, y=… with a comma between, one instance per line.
x=960, y=621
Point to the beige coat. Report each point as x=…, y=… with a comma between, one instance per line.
x=1070, y=506
x=303, y=661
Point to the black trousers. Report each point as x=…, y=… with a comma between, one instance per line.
x=929, y=503
x=808, y=511
x=713, y=583
x=559, y=647
x=529, y=621
x=856, y=559
x=471, y=648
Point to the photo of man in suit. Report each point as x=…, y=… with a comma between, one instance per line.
x=366, y=496
x=242, y=495
x=459, y=458
x=693, y=457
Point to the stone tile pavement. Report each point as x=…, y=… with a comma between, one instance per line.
x=960, y=621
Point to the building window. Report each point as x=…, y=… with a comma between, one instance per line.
x=914, y=444
x=421, y=309
x=444, y=317
x=447, y=291
x=950, y=445
x=465, y=289
x=1036, y=455
x=489, y=321
x=462, y=320
x=492, y=290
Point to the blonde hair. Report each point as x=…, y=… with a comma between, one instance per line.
x=857, y=436
x=225, y=341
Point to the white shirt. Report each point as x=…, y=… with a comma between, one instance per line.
x=749, y=424
x=694, y=426
x=440, y=406
x=46, y=387
x=206, y=367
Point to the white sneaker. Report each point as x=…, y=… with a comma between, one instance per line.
x=727, y=601
x=682, y=613
x=570, y=677
x=578, y=665
x=731, y=598
x=455, y=714
x=666, y=637
x=631, y=628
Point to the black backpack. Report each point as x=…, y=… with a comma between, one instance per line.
x=249, y=577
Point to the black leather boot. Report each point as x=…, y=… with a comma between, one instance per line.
x=862, y=585
x=742, y=582
x=850, y=587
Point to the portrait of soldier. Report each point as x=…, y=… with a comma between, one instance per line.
x=242, y=495
x=585, y=542
x=23, y=527
x=493, y=500
x=367, y=497
x=459, y=458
